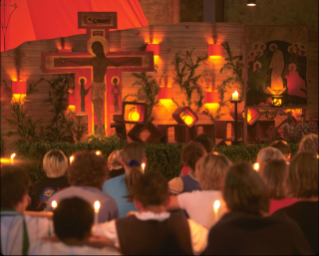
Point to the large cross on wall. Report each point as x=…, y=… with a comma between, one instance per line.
x=98, y=81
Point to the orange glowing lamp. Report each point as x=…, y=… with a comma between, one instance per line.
x=19, y=90
x=71, y=102
x=153, y=48
x=165, y=93
x=134, y=116
x=134, y=112
x=215, y=50
x=184, y=115
x=252, y=116
x=277, y=101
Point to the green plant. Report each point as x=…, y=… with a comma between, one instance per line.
x=60, y=128
x=185, y=69
x=147, y=92
x=24, y=127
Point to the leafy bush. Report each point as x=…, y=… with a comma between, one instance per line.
x=164, y=158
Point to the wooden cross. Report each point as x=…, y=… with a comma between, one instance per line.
x=97, y=72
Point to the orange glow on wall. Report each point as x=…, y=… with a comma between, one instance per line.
x=215, y=50
x=19, y=87
x=165, y=93
x=252, y=116
x=212, y=97
x=18, y=98
x=134, y=116
x=153, y=48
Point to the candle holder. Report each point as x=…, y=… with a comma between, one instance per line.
x=235, y=102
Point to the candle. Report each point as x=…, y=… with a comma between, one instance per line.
x=98, y=152
x=256, y=167
x=235, y=96
x=71, y=159
x=54, y=204
x=97, y=206
x=12, y=156
x=216, y=207
x=143, y=166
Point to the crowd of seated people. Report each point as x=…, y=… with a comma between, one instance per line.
x=214, y=207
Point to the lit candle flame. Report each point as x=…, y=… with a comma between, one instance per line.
x=71, y=159
x=54, y=204
x=98, y=152
x=256, y=167
x=235, y=96
x=143, y=166
x=12, y=156
x=97, y=206
x=216, y=205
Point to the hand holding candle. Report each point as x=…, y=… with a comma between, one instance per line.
x=235, y=96
x=97, y=206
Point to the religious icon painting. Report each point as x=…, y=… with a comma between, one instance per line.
x=276, y=66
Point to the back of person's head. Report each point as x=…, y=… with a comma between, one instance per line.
x=211, y=171
x=267, y=154
x=15, y=184
x=206, y=141
x=73, y=218
x=309, y=143
x=133, y=154
x=88, y=169
x=55, y=163
x=191, y=153
x=245, y=191
x=275, y=175
x=114, y=160
x=152, y=190
x=283, y=146
x=303, y=175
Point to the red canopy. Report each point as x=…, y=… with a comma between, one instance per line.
x=47, y=19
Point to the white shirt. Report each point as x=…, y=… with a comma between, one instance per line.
x=198, y=233
x=199, y=205
x=12, y=231
x=59, y=248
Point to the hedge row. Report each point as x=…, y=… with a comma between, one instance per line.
x=160, y=157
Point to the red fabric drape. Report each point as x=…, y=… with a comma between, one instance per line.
x=42, y=19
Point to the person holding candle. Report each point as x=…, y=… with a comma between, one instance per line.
x=114, y=163
x=247, y=229
x=202, y=206
x=86, y=176
x=191, y=153
x=19, y=229
x=55, y=165
x=153, y=230
x=266, y=154
x=275, y=176
x=120, y=187
x=73, y=221
x=303, y=184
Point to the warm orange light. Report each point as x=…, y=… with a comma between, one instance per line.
x=166, y=101
x=256, y=166
x=54, y=204
x=165, y=93
x=143, y=166
x=277, y=101
x=216, y=205
x=71, y=159
x=215, y=50
x=12, y=157
x=235, y=96
x=134, y=116
x=72, y=108
x=18, y=98
x=153, y=48
x=97, y=206
x=188, y=120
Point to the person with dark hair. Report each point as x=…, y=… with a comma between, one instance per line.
x=246, y=229
x=191, y=153
x=284, y=147
x=153, y=230
x=19, y=229
x=86, y=176
x=73, y=220
x=275, y=176
x=55, y=164
x=120, y=187
x=303, y=184
x=208, y=144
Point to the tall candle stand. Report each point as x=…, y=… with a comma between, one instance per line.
x=236, y=123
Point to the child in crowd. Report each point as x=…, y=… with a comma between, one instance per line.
x=18, y=231
x=120, y=187
x=284, y=147
x=86, y=176
x=153, y=230
x=303, y=184
x=275, y=175
x=309, y=143
x=114, y=163
x=266, y=154
x=210, y=172
x=55, y=164
x=191, y=153
x=72, y=219
x=207, y=142
x=245, y=229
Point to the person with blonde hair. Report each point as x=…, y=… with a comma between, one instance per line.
x=114, y=163
x=266, y=154
x=309, y=143
x=199, y=205
x=121, y=187
x=303, y=184
x=55, y=165
x=275, y=176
